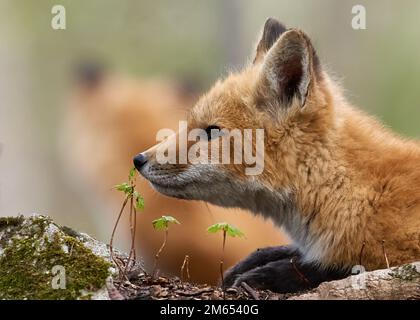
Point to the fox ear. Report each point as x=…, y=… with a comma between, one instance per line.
x=271, y=32
x=290, y=67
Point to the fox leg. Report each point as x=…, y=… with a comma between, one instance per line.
x=283, y=275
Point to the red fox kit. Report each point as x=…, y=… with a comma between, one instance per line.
x=344, y=188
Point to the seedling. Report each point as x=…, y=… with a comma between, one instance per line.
x=136, y=202
x=185, y=268
x=229, y=230
x=162, y=224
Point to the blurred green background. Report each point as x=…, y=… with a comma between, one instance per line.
x=185, y=39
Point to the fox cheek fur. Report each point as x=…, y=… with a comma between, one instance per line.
x=341, y=185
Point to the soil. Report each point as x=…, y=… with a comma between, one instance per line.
x=141, y=286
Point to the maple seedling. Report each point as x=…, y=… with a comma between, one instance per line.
x=162, y=224
x=227, y=230
x=136, y=202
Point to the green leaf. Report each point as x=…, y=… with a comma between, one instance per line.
x=235, y=232
x=125, y=187
x=216, y=227
x=226, y=227
x=122, y=187
x=132, y=173
x=163, y=222
x=139, y=200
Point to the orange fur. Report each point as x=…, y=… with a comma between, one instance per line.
x=334, y=178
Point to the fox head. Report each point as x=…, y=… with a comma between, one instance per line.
x=284, y=94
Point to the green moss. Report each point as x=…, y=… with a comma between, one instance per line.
x=69, y=231
x=10, y=221
x=406, y=272
x=27, y=260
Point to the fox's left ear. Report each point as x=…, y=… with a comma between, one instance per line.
x=271, y=32
x=291, y=67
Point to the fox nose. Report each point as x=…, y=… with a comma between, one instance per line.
x=139, y=160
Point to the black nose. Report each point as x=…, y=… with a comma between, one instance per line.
x=139, y=160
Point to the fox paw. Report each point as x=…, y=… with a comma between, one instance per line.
x=258, y=258
x=279, y=269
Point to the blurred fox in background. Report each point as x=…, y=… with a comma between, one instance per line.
x=108, y=119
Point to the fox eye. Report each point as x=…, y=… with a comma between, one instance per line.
x=215, y=133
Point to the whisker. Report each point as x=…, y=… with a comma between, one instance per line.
x=210, y=212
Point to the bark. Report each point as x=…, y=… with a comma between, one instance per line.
x=400, y=283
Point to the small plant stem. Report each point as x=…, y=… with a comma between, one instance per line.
x=157, y=255
x=111, y=242
x=386, y=257
x=132, y=256
x=361, y=253
x=221, y=264
x=185, y=266
x=134, y=233
x=130, y=217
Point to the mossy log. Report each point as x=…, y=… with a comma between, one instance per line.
x=41, y=260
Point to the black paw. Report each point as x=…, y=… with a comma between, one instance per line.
x=256, y=259
x=286, y=275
